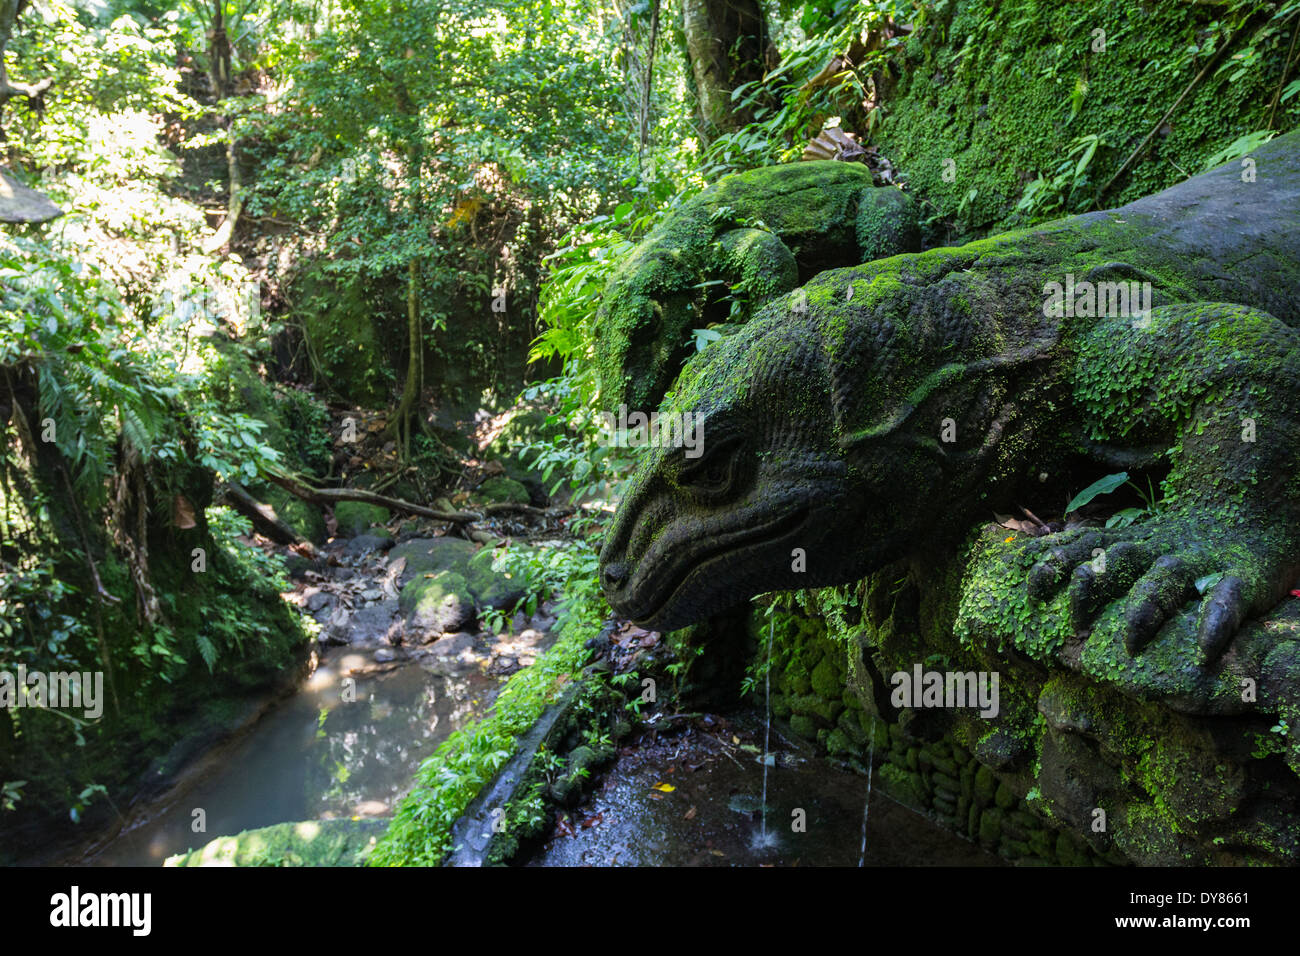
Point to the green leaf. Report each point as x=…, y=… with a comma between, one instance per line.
x=207, y=650
x=1210, y=580
x=1122, y=519
x=703, y=337
x=1102, y=486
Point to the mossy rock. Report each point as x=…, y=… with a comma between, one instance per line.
x=309, y=843
x=804, y=726
x=438, y=602
x=491, y=589
x=761, y=232
x=430, y=555
x=828, y=679
x=354, y=517
x=303, y=517
x=503, y=489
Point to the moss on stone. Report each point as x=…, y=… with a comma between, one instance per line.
x=355, y=517
x=987, y=99
x=503, y=489
x=309, y=843
x=302, y=516
x=756, y=232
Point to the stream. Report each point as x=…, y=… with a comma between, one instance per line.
x=314, y=757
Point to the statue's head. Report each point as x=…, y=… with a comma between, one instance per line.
x=766, y=500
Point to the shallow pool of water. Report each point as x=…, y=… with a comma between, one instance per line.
x=693, y=798
x=316, y=756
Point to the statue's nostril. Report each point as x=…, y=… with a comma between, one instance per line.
x=612, y=575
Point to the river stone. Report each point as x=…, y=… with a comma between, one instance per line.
x=490, y=588
x=354, y=517
x=438, y=602
x=451, y=645
x=503, y=489
x=319, y=600
x=431, y=555
x=368, y=542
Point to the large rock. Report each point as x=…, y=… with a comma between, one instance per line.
x=355, y=517
x=20, y=204
x=430, y=555
x=447, y=581
x=503, y=489
x=437, y=602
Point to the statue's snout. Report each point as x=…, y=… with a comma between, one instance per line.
x=613, y=576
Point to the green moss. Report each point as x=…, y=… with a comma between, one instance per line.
x=304, y=518
x=431, y=555
x=756, y=232
x=490, y=589
x=996, y=91
x=356, y=517
x=440, y=601
x=310, y=843
x=502, y=488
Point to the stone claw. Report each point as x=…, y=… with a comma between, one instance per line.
x=1156, y=598
x=1221, y=615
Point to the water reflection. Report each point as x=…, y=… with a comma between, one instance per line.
x=338, y=748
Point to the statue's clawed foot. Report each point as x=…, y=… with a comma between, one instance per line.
x=1158, y=571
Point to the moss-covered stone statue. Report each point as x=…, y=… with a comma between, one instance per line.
x=743, y=241
x=881, y=414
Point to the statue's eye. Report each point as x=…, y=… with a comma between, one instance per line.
x=714, y=472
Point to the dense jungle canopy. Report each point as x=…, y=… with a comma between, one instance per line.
x=282, y=276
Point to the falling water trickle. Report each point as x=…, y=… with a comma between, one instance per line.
x=866, y=808
x=765, y=839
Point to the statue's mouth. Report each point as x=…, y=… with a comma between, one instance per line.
x=678, y=573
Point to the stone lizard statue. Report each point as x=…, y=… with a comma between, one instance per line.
x=883, y=411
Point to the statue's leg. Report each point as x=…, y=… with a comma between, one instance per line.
x=1224, y=382
x=1155, y=604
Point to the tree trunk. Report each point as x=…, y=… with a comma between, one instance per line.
x=726, y=47
x=235, y=203
x=10, y=10
x=219, y=54
x=407, y=412
x=219, y=58
x=647, y=84
x=406, y=418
